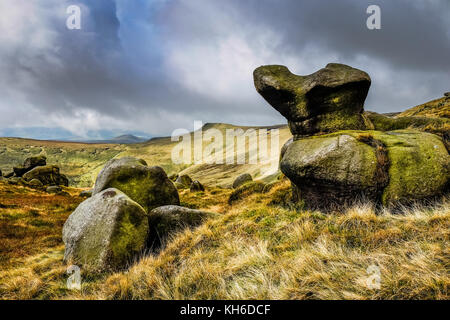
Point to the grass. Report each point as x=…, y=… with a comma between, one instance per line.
x=260, y=247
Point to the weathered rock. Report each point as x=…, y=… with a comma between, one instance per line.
x=166, y=220
x=86, y=193
x=19, y=171
x=105, y=232
x=48, y=175
x=328, y=100
x=35, y=183
x=9, y=175
x=53, y=189
x=148, y=186
x=384, y=167
x=331, y=170
x=184, y=180
x=240, y=180
x=447, y=94
x=196, y=186
x=285, y=147
x=33, y=162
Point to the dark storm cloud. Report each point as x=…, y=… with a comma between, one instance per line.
x=155, y=65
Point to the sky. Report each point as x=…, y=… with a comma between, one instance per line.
x=149, y=67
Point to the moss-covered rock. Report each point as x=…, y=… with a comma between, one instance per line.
x=166, y=220
x=196, y=186
x=148, y=186
x=331, y=169
x=33, y=162
x=48, y=175
x=184, y=180
x=105, y=232
x=242, y=179
x=328, y=100
x=385, y=167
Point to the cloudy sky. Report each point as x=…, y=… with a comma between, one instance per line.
x=151, y=66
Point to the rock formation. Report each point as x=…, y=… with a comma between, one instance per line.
x=336, y=156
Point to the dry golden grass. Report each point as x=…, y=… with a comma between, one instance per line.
x=261, y=248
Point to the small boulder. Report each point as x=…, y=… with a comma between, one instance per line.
x=196, y=186
x=240, y=180
x=148, y=186
x=33, y=162
x=166, y=220
x=19, y=171
x=9, y=175
x=184, y=180
x=48, y=175
x=105, y=232
x=35, y=183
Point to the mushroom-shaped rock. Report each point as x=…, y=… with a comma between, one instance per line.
x=148, y=186
x=105, y=232
x=328, y=100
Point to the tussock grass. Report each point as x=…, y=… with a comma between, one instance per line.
x=259, y=248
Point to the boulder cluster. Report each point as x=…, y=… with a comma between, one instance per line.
x=35, y=173
x=131, y=210
x=337, y=154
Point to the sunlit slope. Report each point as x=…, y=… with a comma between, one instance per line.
x=81, y=162
x=439, y=108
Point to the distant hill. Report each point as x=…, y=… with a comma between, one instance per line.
x=438, y=108
x=123, y=139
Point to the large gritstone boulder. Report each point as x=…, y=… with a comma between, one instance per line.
x=106, y=232
x=48, y=175
x=148, y=186
x=328, y=100
x=385, y=167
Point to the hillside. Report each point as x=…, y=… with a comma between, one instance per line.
x=81, y=162
x=257, y=248
x=438, y=108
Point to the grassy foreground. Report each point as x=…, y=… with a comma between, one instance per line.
x=257, y=248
